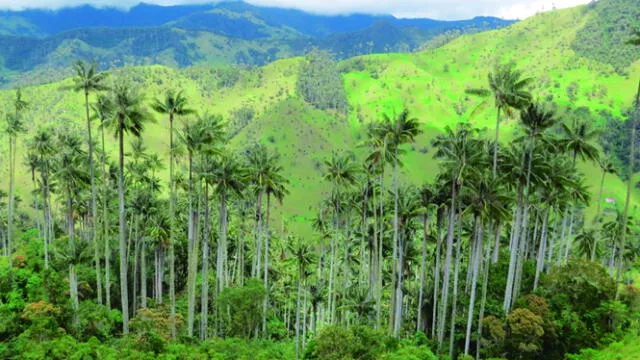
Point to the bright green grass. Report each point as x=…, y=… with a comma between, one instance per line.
x=431, y=84
x=628, y=349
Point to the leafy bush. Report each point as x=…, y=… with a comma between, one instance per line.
x=245, y=307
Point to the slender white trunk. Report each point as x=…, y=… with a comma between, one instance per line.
x=513, y=249
x=477, y=256
x=570, y=237
x=298, y=314
x=454, y=306
x=124, y=288
x=265, y=302
x=172, y=231
x=496, y=246
x=204, y=295
x=447, y=266
x=143, y=275
x=423, y=269
x=541, y=250
x=563, y=238
x=436, y=282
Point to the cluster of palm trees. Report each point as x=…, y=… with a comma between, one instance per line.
x=62, y=169
x=386, y=246
x=386, y=254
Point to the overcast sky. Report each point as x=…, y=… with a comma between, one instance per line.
x=437, y=9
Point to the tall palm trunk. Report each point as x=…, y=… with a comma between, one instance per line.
x=478, y=246
x=136, y=261
x=625, y=215
x=105, y=228
x=423, y=269
x=222, y=243
x=143, y=274
x=45, y=212
x=192, y=265
x=332, y=260
x=204, y=301
x=380, y=246
x=12, y=170
x=495, y=145
x=542, y=249
x=172, y=231
x=447, y=265
x=396, y=251
x=94, y=207
x=596, y=218
x=73, y=279
x=485, y=284
x=495, y=255
x=124, y=286
x=300, y=271
x=265, y=303
x=513, y=257
x=398, y=290
x=436, y=272
x=256, y=263
x=454, y=305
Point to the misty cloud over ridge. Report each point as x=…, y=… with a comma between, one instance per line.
x=436, y=9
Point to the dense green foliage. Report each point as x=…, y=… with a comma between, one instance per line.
x=320, y=83
x=295, y=230
x=605, y=33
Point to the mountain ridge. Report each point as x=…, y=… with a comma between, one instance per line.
x=225, y=33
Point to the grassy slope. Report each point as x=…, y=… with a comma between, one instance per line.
x=629, y=349
x=429, y=83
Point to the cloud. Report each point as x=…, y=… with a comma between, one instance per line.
x=437, y=9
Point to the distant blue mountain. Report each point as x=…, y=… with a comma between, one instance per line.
x=38, y=45
x=50, y=22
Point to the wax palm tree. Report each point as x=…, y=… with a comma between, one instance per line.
x=457, y=149
x=613, y=233
x=304, y=257
x=87, y=80
x=409, y=208
x=228, y=179
x=396, y=132
x=43, y=148
x=587, y=243
x=341, y=172
x=427, y=196
x=71, y=173
x=173, y=104
x=580, y=140
x=381, y=154
x=607, y=167
x=195, y=136
x=129, y=117
x=487, y=200
x=266, y=174
x=260, y=163
x=507, y=87
x=103, y=112
x=15, y=127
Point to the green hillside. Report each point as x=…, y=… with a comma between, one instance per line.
x=431, y=84
x=629, y=349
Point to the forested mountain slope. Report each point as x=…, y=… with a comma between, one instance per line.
x=430, y=84
x=39, y=44
x=328, y=209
